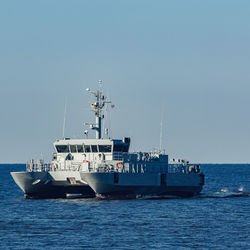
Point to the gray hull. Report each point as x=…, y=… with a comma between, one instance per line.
x=117, y=184
x=51, y=184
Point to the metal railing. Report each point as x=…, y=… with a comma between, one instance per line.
x=182, y=168
x=37, y=167
x=125, y=164
x=45, y=167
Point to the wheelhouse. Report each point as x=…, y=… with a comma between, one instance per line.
x=91, y=147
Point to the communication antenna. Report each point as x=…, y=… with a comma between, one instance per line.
x=161, y=136
x=97, y=107
x=64, y=119
x=106, y=132
x=161, y=133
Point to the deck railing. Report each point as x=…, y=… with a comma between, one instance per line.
x=131, y=165
x=45, y=167
x=37, y=167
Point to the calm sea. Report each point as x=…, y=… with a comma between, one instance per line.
x=219, y=218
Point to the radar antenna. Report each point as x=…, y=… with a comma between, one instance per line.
x=97, y=108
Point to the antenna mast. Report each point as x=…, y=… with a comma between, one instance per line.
x=64, y=118
x=161, y=136
x=97, y=107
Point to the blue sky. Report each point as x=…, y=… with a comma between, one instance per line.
x=187, y=60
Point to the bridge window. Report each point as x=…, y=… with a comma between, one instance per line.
x=62, y=148
x=73, y=148
x=94, y=148
x=104, y=148
x=125, y=148
x=121, y=148
x=87, y=148
x=80, y=148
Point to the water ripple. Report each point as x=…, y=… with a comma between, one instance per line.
x=217, y=219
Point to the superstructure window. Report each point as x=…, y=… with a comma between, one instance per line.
x=94, y=148
x=87, y=148
x=80, y=148
x=104, y=148
x=62, y=148
x=73, y=148
x=125, y=148
x=121, y=148
x=118, y=148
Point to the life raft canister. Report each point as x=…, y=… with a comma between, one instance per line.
x=119, y=164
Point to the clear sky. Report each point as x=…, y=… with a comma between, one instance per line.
x=187, y=60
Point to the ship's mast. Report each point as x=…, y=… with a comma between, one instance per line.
x=97, y=106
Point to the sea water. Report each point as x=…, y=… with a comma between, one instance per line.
x=219, y=218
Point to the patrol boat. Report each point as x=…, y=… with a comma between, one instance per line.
x=90, y=167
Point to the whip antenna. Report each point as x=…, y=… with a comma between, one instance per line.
x=64, y=118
